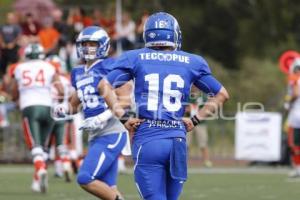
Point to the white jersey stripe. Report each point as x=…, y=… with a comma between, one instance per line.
x=99, y=164
x=137, y=157
x=139, y=190
x=111, y=146
x=27, y=133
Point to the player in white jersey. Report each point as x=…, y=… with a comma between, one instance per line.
x=58, y=139
x=32, y=83
x=294, y=120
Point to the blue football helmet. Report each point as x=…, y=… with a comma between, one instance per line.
x=162, y=29
x=93, y=34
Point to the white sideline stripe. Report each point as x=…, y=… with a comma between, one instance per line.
x=137, y=157
x=111, y=146
x=99, y=164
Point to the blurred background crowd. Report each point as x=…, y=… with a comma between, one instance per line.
x=57, y=32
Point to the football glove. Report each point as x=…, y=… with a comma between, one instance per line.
x=60, y=111
x=96, y=122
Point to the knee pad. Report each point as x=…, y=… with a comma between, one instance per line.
x=84, y=178
x=37, y=151
x=37, y=154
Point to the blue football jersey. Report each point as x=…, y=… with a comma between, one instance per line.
x=163, y=80
x=162, y=86
x=85, y=81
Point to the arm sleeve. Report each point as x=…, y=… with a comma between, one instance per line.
x=119, y=77
x=122, y=71
x=208, y=84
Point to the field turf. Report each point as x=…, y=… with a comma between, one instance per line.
x=203, y=184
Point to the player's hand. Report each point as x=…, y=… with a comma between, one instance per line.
x=132, y=124
x=96, y=122
x=188, y=124
x=92, y=123
x=60, y=111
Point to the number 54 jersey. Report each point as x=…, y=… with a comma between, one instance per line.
x=34, y=78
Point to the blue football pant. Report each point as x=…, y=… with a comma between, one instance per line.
x=152, y=171
x=101, y=161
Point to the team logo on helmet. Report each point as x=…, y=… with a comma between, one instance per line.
x=152, y=35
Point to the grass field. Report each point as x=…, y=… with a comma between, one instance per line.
x=203, y=184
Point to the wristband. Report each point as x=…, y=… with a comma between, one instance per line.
x=195, y=120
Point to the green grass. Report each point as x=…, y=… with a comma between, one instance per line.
x=226, y=184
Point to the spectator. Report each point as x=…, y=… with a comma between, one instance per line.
x=294, y=120
x=110, y=15
x=199, y=132
x=139, y=43
x=30, y=28
x=61, y=26
x=9, y=36
x=126, y=32
x=69, y=54
x=78, y=19
x=99, y=19
x=49, y=36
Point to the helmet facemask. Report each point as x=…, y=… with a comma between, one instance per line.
x=88, y=52
x=98, y=41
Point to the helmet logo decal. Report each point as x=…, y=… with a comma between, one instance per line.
x=152, y=35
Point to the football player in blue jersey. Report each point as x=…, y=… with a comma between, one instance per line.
x=107, y=135
x=163, y=77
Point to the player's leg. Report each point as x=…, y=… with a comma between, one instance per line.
x=121, y=164
x=77, y=142
x=93, y=175
x=177, y=174
x=126, y=151
x=69, y=140
x=53, y=155
x=63, y=152
x=202, y=142
x=189, y=138
x=151, y=168
x=33, y=139
x=174, y=187
x=111, y=175
x=294, y=143
x=46, y=125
